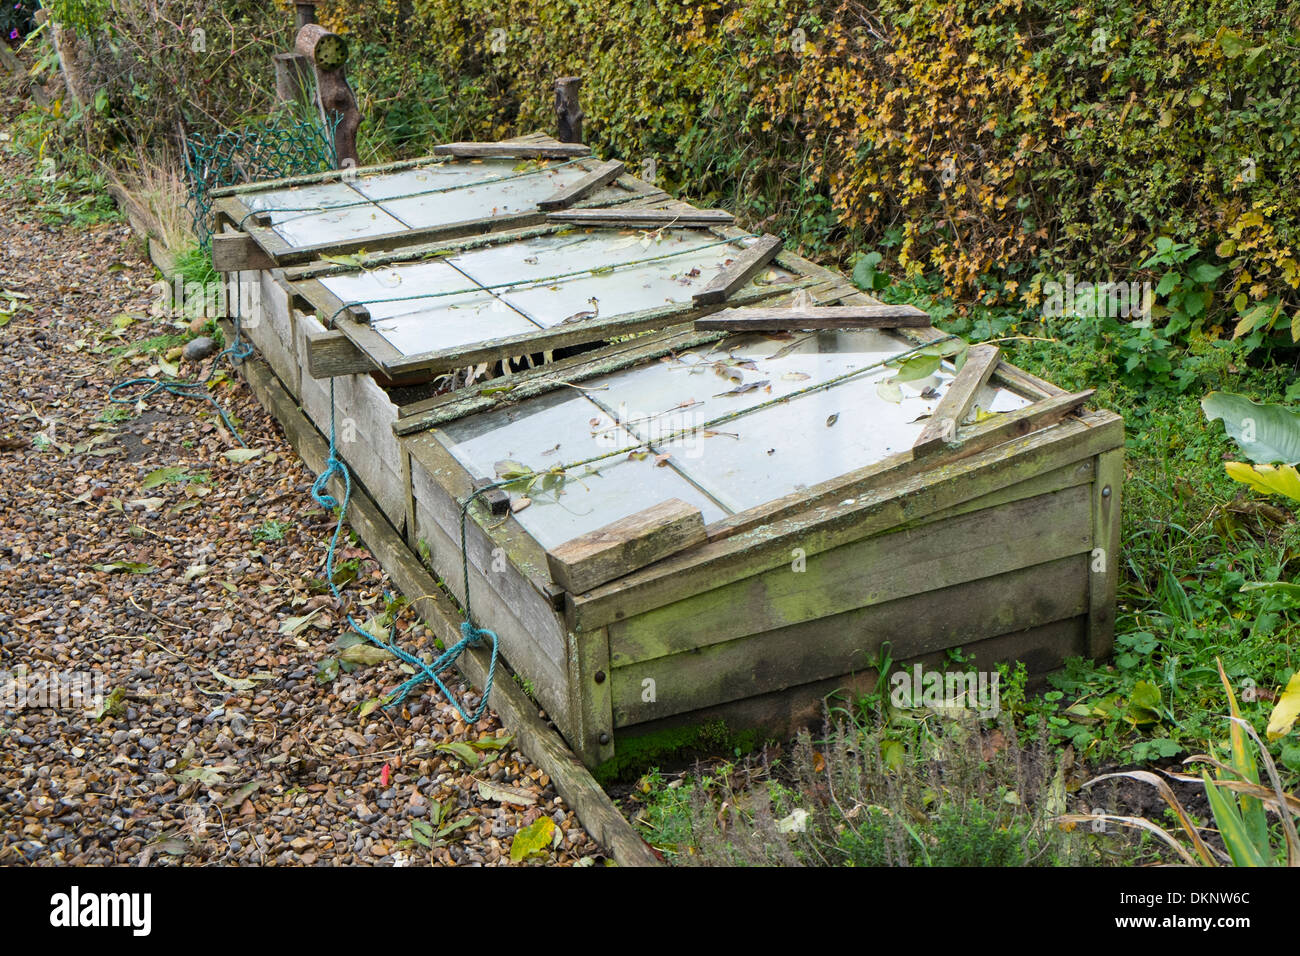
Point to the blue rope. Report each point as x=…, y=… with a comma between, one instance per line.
x=471, y=635
x=238, y=351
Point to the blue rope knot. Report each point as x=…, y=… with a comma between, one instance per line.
x=472, y=636
x=319, y=494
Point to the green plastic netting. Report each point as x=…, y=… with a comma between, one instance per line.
x=271, y=149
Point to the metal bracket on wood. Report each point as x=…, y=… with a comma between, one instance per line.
x=497, y=500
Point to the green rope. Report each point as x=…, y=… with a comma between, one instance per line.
x=411, y=195
x=541, y=280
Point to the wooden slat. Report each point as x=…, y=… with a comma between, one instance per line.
x=625, y=545
x=934, y=619
x=602, y=175
x=521, y=150
x=545, y=378
x=956, y=403
x=782, y=713
x=865, y=572
x=331, y=353
x=1104, y=559
x=555, y=337
x=745, y=266
x=641, y=218
x=591, y=696
x=236, y=252
x=815, y=317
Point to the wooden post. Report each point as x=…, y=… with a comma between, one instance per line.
x=293, y=77
x=329, y=53
x=568, y=113
x=293, y=73
x=304, y=12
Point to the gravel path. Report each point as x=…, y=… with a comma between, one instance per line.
x=223, y=734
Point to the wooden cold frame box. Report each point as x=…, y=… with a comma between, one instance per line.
x=1004, y=542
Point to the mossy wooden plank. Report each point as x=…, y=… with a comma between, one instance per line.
x=845, y=643
x=600, y=176
x=864, y=573
x=513, y=388
x=778, y=715
x=814, y=317
x=956, y=404
x=733, y=276
x=752, y=551
x=621, y=547
x=559, y=336
x=512, y=150
x=633, y=216
x=330, y=353
x=236, y=252
x=521, y=642
x=591, y=696
x=1108, y=491
x=270, y=327
x=1068, y=476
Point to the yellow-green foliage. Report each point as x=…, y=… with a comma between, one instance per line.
x=1005, y=138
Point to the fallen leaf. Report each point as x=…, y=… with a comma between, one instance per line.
x=241, y=455
x=503, y=794
x=532, y=840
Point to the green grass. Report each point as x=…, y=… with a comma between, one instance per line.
x=271, y=530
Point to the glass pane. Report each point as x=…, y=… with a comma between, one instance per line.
x=428, y=324
x=518, y=191
x=558, y=429
x=763, y=454
x=693, y=258
x=301, y=215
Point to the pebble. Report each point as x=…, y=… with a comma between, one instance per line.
x=196, y=350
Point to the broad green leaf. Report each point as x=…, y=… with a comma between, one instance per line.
x=1232, y=828
x=1144, y=703
x=462, y=752
x=1284, y=588
x=1286, y=710
x=1266, y=479
x=161, y=476
x=421, y=832
x=1266, y=433
x=453, y=827
x=294, y=625
x=917, y=367
x=492, y=743
x=1205, y=272
x=532, y=840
